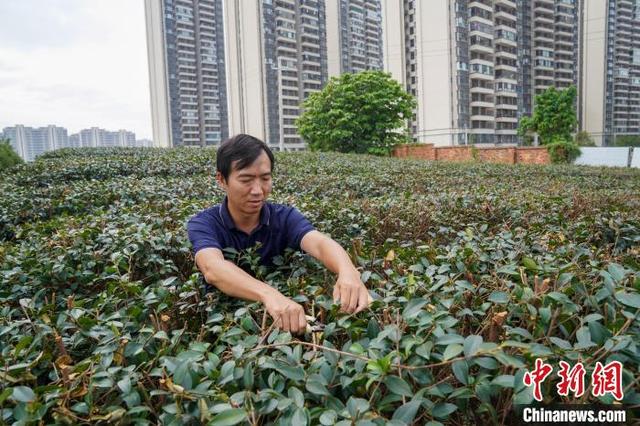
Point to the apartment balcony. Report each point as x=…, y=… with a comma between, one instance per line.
x=504, y=54
x=480, y=48
x=506, y=119
x=482, y=4
x=507, y=3
x=506, y=42
x=482, y=130
x=482, y=104
x=485, y=90
x=568, y=43
x=544, y=68
x=543, y=14
x=507, y=106
x=544, y=37
x=505, y=15
x=564, y=29
x=543, y=19
x=481, y=62
x=479, y=76
x=568, y=80
x=480, y=19
x=489, y=119
x=506, y=67
x=542, y=87
x=505, y=93
x=309, y=43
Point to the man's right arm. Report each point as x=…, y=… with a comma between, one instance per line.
x=235, y=282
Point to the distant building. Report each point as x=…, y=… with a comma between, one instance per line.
x=185, y=42
x=31, y=142
x=246, y=66
x=144, y=143
x=610, y=74
x=354, y=36
x=476, y=66
x=96, y=137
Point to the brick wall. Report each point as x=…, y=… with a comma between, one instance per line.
x=423, y=152
x=497, y=155
x=454, y=153
x=505, y=155
x=537, y=155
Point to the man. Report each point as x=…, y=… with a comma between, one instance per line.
x=244, y=170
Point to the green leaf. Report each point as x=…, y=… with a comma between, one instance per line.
x=357, y=406
x=229, y=417
x=23, y=394
x=499, y=297
x=316, y=388
x=584, y=337
x=561, y=343
x=125, y=385
x=530, y=264
x=299, y=417
x=629, y=299
x=328, y=418
x=616, y=271
x=448, y=339
x=413, y=308
x=297, y=396
x=442, y=410
x=398, y=386
x=505, y=381
x=407, y=412
x=461, y=371
x=486, y=362
x=451, y=351
x=471, y=345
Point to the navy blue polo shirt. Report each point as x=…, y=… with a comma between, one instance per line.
x=280, y=227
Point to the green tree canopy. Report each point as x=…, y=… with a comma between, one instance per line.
x=8, y=157
x=554, y=115
x=361, y=113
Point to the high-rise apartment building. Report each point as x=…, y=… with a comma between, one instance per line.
x=29, y=142
x=274, y=54
x=610, y=73
x=354, y=36
x=476, y=65
x=276, y=57
x=185, y=43
x=96, y=137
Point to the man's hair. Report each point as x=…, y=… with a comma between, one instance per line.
x=241, y=148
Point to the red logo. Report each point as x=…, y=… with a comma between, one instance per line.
x=607, y=379
x=604, y=379
x=536, y=377
x=571, y=379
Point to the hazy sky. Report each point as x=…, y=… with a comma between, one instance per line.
x=74, y=63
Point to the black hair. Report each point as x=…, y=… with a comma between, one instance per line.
x=241, y=148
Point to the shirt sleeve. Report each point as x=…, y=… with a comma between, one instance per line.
x=202, y=233
x=297, y=227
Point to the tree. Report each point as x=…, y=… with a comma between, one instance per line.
x=8, y=157
x=554, y=115
x=361, y=113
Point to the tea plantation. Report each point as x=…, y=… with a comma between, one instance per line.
x=477, y=270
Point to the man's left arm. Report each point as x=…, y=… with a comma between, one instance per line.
x=349, y=289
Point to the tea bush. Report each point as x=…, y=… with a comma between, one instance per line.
x=477, y=270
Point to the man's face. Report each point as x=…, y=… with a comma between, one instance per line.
x=248, y=189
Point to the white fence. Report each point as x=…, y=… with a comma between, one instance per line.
x=609, y=156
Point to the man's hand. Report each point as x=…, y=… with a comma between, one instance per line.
x=286, y=313
x=351, y=292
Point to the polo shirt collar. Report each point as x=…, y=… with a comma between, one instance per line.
x=265, y=215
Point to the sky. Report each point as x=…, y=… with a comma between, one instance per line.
x=75, y=64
